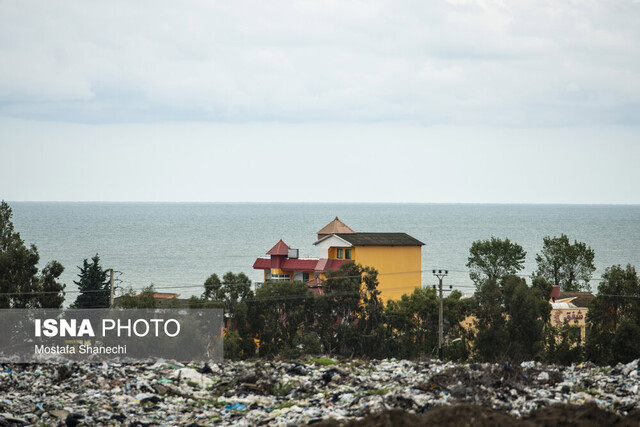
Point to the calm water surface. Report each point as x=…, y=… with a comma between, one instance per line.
x=176, y=246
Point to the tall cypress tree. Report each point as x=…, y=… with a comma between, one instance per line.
x=93, y=285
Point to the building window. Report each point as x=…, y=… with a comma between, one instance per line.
x=339, y=253
x=574, y=333
x=305, y=277
x=347, y=254
x=282, y=277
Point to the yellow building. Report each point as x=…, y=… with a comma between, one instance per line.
x=396, y=256
x=570, y=308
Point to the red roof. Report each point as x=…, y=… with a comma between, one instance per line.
x=262, y=264
x=281, y=248
x=334, y=264
x=319, y=265
x=299, y=264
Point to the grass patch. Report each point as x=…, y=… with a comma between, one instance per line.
x=323, y=361
x=282, y=389
x=376, y=392
x=284, y=405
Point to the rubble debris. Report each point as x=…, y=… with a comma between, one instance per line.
x=305, y=392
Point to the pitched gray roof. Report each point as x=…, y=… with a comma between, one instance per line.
x=380, y=239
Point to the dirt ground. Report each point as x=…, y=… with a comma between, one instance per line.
x=463, y=415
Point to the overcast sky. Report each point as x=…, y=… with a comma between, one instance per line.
x=441, y=101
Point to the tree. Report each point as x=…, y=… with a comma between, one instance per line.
x=93, y=285
x=413, y=322
x=350, y=313
x=232, y=294
x=211, y=287
x=612, y=315
x=21, y=286
x=279, y=309
x=561, y=346
x=51, y=296
x=491, y=336
x=492, y=259
x=526, y=310
x=132, y=299
x=565, y=264
x=510, y=319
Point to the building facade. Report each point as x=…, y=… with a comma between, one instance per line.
x=396, y=256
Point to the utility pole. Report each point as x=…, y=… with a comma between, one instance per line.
x=440, y=275
x=111, y=288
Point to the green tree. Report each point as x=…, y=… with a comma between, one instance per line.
x=51, y=296
x=567, y=265
x=133, y=299
x=232, y=294
x=561, y=346
x=350, y=314
x=626, y=341
x=21, y=286
x=510, y=319
x=93, y=285
x=612, y=314
x=526, y=311
x=494, y=258
x=491, y=336
x=212, y=287
x=278, y=311
x=413, y=322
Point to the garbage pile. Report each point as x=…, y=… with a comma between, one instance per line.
x=312, y=391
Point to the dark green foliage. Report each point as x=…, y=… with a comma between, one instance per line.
x=93, y=285
x=561, y=347
x=626, y=341
x=526, y=309
x=492, y=259
x=307, y=342
x=413, y=322
x=491, y=338
x=350, y=314
x=543, y=286
x=567, y=265
x=52, y=296
x=509, y=320
x=20, y=284
x=232, y=344
x=278, y=310
x=131, y=299
x=212, y=287
x=233, y=294
x=613, y=315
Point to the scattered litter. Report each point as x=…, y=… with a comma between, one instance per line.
x=297, y=392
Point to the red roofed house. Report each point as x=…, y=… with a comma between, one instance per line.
x=396, y=256
x=283, y=263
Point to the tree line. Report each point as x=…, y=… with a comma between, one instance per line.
x=510, y=317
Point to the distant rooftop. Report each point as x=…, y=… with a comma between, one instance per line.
x=280, y=248
x=380, y=239
x=334, y=227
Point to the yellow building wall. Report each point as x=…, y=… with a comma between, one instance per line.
x=333, y=253
x=575, y=317
x=392, y=264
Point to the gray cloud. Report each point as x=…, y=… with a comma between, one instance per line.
x=525, y=63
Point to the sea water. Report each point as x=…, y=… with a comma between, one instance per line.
x=176, y=246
